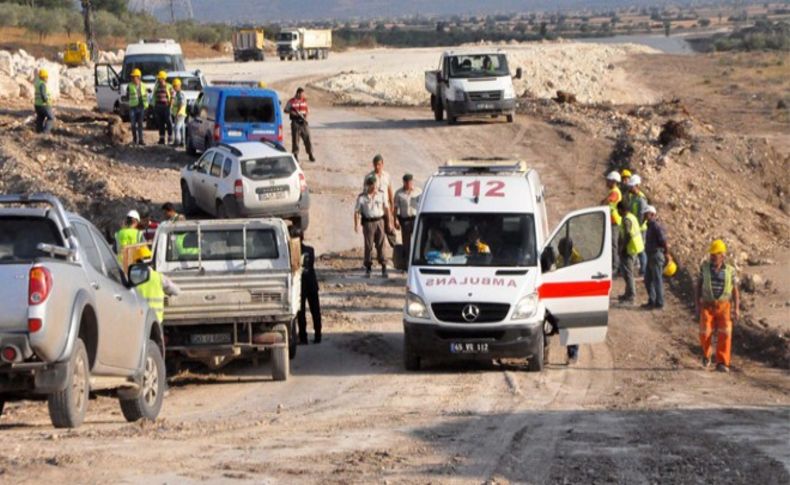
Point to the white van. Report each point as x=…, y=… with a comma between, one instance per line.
x=487, y=280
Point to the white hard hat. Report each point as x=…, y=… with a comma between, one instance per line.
x=648, y=209
x=634, y=180
x=614, y=176
x=133, y=214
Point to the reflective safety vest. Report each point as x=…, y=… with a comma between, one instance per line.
x=162, y=93
x=178, y=107
x=635, y=245
x=616, y=219
x=126, y=236
x=154, y=294
x=39, y=99
x=707, y=283
x=634, y=203
x=138, y=96
x=182, y=250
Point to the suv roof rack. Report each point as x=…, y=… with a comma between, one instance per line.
x=277, y=146
x=247, y=84
x=231, y=148
x=477, y=165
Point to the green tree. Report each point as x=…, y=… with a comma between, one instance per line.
x=206, y=35
x=106, y=25
x=71, y=21
x=44, y=23
x=117, y=7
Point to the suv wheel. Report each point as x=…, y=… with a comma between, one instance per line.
x=187, y=201
x=222, y=211
x=67, y=407
x=152, y=389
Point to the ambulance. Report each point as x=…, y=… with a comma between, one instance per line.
x=486, y=278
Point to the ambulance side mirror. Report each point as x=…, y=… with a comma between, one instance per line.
x=547, y=259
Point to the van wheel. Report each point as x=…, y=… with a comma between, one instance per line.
x=281, y=366
x=148, y=404
x=538, y=360
x=187, y=201
x=510, y=118
x=67, y=407
x=411, y=361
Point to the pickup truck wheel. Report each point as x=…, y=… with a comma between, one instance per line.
x=222, y=211
x=281, y=366
x=451, y=119
x=187, y=201
x=67, y=407
x=148, y=404
x=292, y=340
x=538, y=360
x=411, y=361
x=438, y=109
x=510, y=118
x=282, y=58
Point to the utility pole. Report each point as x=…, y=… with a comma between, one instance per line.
x=87, y=18
x=172, y=11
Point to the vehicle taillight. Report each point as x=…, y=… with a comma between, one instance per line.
x=34, y=325
x=302, y=183
x=217, y=133
x=238, y=189
x=280, y=137
x=10, y=353
x=40, y=285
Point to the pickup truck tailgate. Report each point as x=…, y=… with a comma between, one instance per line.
x=227, y=297
x=13, y=297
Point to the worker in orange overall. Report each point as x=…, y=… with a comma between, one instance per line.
x=716, y=297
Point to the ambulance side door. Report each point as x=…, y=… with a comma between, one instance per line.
x=577, y=275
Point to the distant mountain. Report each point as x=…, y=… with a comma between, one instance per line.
x=246, y=11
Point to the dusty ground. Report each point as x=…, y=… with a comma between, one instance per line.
x=636, y=409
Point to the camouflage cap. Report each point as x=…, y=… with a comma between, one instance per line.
x=370, y=180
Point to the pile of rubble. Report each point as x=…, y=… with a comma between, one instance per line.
x=18, y=71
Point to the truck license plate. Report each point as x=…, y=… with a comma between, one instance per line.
x=469, y=348
x=235, y=133
x=485, y=106
x=271, y=195
x=210, y=338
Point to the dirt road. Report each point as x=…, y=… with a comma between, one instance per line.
x=636, y=409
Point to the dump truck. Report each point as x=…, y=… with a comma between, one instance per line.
x=248, y=45
x=304, y=44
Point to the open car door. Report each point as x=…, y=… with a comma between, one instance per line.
x=108, y=87
x=577, y=275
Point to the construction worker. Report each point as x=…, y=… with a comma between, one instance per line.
x=372, y=211
x=178, y=112
x=613, y=198
x=129, y=235
x=309, y=295
x=637, y=202
x=406, y=200
x=163, y=95
x=631, y=245
x=42, y=103
x=625, y=177
x=137, y=92
x=383, y=179
x=717, y=297
x=170, y=213
x=262, y=84
x=157, y=286
x=296, y=107
x=657, y=250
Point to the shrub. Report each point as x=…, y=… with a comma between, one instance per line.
x=44, y=23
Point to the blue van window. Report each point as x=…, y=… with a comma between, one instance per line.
x=248, y=109
x=210, y=99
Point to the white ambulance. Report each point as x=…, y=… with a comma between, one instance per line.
x=486, y=279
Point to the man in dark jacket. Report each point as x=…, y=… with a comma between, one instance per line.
x=309, y=295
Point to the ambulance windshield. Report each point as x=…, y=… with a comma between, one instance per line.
x=477, y=239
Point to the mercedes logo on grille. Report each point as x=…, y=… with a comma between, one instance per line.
x=470, y=313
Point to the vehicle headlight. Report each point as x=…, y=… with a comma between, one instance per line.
x=415, y=307
x=526, y=308
x=509, y=92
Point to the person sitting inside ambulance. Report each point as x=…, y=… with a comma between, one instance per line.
x=568, y=255
x=436, y=251
x=474, y=246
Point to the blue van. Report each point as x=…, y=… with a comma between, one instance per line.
x=231, y=114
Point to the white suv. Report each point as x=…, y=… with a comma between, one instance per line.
x=249, y=179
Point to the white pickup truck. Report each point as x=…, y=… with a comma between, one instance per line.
x=477, y=83
x=240, y=290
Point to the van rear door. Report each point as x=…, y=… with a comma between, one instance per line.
x=249, y=117
x=577, y=275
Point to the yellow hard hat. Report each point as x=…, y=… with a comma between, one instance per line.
x=176, y=83
x=671, y=268
x=136, y=73
x=161, y=75
x=143, y=253
x=717, y=247
x=261, y=84
x=43, y=73
x=625, y=173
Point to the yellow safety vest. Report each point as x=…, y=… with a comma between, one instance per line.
x=707, y=283
x=632, y=201
x=154, y=294
x=39, y=100
x=126, y=236
x=635, y=245
x=138, y=97
x=182, y=250
x=616, y=219
x=178, y=105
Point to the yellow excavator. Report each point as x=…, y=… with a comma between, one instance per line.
x=76, y=54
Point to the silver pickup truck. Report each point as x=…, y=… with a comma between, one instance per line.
x=70, y=319
x=240, y=289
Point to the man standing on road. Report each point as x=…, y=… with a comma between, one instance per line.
x=372, y=210
x=296, y=108
x=163, y=96
x=383, y=180
x=178, y=111
x=137, y=93
x=157, y=286
x=170, y=213
x=657, y=250
x=43, y=103
x=717, y=296
x=309, y=295
x=614, y=198
x=631, y=245
x=406, y=200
